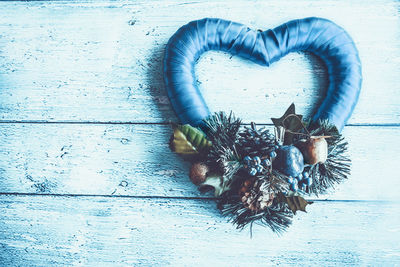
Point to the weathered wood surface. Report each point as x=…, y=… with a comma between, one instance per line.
x=129, y=231
x=101, y=60
x=83, y=112
x=135, y=160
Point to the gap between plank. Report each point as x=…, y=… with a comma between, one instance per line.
x=167, y=123
x=171, y=197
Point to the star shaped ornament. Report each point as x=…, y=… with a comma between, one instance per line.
x=291, y=121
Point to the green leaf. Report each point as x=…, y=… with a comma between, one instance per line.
x=188, y=140
x=217, y=182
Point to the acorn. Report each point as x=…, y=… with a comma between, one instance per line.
x=314, y=149
x=198, y=173
x=289, y=160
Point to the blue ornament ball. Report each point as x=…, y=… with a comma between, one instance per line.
x=247, y=160
x=289, y=161
x=291, y=180
x=303, y=186
x=257, y=160
x=252, y=171
x=266, y=163
x=294, y=187
x=259, y=168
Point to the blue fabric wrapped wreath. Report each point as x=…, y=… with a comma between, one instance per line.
x=260, y=177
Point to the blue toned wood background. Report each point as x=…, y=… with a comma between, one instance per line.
x=86, y=175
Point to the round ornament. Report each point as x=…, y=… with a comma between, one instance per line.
x=198, y=173
x=289, y=161
x=315, y=149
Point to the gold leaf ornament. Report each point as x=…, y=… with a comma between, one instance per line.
x=297, y=203
x=188, y=140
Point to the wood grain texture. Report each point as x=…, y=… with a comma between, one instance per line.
x=135, y=160
x=48, y=231
x=85, y=79
x=101, y=60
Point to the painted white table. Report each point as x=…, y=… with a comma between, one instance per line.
x=86, y=176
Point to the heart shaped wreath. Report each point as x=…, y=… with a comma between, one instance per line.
x=258, y=176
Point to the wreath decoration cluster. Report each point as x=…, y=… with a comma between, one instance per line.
x=259, y=176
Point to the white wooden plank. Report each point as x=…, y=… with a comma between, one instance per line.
x=101, y=159
x=101, y=60
x=135, y=160
x=43, y=231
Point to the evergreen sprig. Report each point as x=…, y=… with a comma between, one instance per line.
x=337, y=166
x=255, y=142
x=222, y=129
x=230, y=145
x=230, y=163
x=277, y=217
x=245, y=204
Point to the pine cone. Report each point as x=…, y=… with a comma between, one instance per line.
x=255, y=142
x=255, y=195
